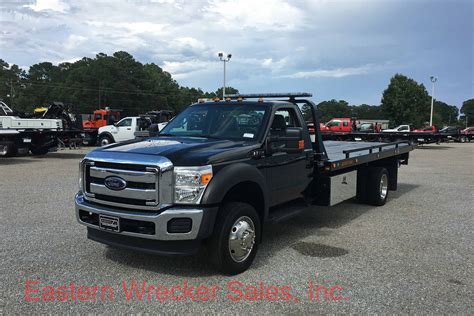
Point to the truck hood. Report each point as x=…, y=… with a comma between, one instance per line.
x=185, y=151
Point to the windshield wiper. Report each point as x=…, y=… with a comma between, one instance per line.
x=165, y=134
x=207, y=136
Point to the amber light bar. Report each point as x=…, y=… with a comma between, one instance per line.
x=270, y=95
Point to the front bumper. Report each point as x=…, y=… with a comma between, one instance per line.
x=146, y=224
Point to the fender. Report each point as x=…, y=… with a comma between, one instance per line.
x=106, y=134
x=231, y=175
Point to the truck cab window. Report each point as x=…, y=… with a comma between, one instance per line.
x=333, y=123
x=289, y=116
x=127, y=122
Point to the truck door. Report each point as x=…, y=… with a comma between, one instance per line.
x=290, y=173
x=123, y=130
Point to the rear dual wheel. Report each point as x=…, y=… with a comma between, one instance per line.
x=39, y=151
x=372, y=188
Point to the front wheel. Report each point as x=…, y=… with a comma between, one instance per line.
x=105, y=140
x=8, y=149
x=234, y=243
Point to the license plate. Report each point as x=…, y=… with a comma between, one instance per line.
x=421, y=139
x=27, y=140
x=109, y=223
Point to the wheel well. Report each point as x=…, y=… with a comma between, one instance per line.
x=103, y=134
x=248, y=192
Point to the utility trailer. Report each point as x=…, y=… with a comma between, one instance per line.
x=219, y=171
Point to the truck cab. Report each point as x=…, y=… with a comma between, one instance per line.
x=427, y=129
x=121, y=131
x=338, y=125
x=398, y=129
x=101, y=118
x=219, y=171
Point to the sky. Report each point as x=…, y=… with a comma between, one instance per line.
x=334, y=49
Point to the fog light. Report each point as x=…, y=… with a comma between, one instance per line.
x=179, y=225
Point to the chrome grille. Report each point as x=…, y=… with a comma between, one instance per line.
x=141, y=192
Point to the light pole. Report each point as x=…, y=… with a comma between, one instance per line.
x=225, y=60
x=433, y=80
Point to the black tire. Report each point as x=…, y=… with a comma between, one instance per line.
x=105, y=140
x=39, y=151
x=377, y=186
x=8, y=149
x=228, y=222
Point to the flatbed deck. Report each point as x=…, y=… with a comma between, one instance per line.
x=343, y=154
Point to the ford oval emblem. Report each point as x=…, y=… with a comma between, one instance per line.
x=115, y=183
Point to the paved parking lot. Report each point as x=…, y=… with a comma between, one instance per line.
x=414, y=255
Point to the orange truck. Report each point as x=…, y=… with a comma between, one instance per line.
x=98, y=119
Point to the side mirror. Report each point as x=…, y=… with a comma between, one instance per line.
x=290, y=141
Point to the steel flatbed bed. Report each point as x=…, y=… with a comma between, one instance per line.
x=344, y=154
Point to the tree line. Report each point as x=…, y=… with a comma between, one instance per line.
x=120, y=81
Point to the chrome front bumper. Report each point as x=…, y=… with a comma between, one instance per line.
x=160, y=220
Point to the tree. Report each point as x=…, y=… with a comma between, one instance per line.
x=333, y=108
x=406, y=102
x=365, y=111
x=468, y=110
x=228, y=90
x=444, y=114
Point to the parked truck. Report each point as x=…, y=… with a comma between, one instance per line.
x=221, y=170
x=100, y=118
x=37, y=135
x=129, y=128
x=121, y=131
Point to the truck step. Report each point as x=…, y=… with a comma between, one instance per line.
x=287, y=211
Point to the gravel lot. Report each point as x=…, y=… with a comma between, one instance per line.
x=414, y=255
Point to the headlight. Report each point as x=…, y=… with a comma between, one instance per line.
x=190, y=183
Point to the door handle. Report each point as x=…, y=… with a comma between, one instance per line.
x=129, y=129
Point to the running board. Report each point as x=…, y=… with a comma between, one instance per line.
x=287, y=211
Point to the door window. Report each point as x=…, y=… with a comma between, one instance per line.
x=289, y=115
x=126, y=122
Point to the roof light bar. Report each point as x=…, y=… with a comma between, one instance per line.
x=270, y=95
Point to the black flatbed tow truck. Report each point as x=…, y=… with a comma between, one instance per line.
x=219, y=171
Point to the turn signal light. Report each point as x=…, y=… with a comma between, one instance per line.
x=301, y=144
x=206, y=178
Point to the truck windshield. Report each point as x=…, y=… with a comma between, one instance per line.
x=222, y=121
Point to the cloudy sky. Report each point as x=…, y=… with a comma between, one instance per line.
x=332, y=48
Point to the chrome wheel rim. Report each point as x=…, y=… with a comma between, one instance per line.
x=3, y=150
x=383, y=186
x=241, y=239
x=104, y=142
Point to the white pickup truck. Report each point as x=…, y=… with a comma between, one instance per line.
x=398, y=129
x=125, y=129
